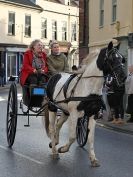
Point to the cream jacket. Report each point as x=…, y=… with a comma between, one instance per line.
x=129, y=84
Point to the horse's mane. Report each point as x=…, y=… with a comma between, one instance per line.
x=88, y=60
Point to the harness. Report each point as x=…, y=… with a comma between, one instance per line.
x=65, y=87
x=53, y=104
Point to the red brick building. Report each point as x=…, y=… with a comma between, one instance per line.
x=83, y=28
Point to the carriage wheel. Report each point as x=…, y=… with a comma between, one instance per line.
x=11, y=122
x=82, y=131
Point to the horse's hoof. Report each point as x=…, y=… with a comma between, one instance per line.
x=50, y=145
x=95, y=163
x=60, y=150
x=55, y=156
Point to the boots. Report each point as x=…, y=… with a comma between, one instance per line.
x=117, y=121
x=114, y=121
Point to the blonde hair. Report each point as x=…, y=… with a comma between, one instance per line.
x=33, y=43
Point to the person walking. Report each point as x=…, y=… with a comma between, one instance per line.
x=2, y=75
x=129, y=92
x=56, y=61
x=115, y=96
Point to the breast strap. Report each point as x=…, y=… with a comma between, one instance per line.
x=65, y=87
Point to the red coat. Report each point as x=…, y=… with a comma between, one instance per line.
x=27, y=66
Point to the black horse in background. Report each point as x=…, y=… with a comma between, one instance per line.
x=115, y=96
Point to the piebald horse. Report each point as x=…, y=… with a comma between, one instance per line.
x=72, y=96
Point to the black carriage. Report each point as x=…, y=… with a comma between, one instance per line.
x=35, y=99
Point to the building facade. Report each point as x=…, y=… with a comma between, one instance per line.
x=112, y=19
x=60, y=21
x=15, y=33
x=25, y=20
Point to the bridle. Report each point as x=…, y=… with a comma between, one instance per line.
x=113, y=69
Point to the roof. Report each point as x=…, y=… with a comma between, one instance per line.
x=24, y=3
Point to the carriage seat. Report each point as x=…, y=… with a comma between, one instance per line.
x=33, y=95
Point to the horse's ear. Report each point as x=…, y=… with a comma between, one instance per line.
x=118, y=46
x=110, y=46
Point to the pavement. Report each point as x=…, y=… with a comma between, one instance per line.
x=124, y=128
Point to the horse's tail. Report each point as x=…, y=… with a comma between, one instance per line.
x=45, y=120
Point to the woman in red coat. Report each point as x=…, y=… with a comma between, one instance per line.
x=34, y=64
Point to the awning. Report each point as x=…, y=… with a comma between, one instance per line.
x=64, y=49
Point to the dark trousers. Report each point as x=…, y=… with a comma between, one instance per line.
x=38, y=79
x=1, y=81
x=115, y=101
x=35, y=79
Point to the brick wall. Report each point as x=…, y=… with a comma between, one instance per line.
x=83, y=29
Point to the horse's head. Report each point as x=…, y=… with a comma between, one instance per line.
x=111, y=61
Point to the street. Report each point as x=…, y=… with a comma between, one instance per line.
x=30, y=154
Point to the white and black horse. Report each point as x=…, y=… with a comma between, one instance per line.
x=72, y=95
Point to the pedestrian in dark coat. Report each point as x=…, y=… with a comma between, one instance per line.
x=115, y=96
x=2, y=75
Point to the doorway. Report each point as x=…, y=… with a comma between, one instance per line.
x=11, y=65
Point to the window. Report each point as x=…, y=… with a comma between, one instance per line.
x=114, y=10
x=11, y=23
x=11, y=64
x=73, y=29
x=101, y=22
x=27, y=25
x=64, y=31
x=44, y=28
x=54, y=30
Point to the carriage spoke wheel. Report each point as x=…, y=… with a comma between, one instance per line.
x=82, y=131
x=11, y=122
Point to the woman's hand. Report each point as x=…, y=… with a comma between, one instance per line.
x=34, y=71
x=42, y=70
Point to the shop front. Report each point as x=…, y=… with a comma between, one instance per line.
x=12, y=57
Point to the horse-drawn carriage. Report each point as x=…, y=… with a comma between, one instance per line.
x=30, y=105
x=78, y=97
x=34, y=102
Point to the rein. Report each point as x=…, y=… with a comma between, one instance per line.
x=92, y=76
x=74, y=99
